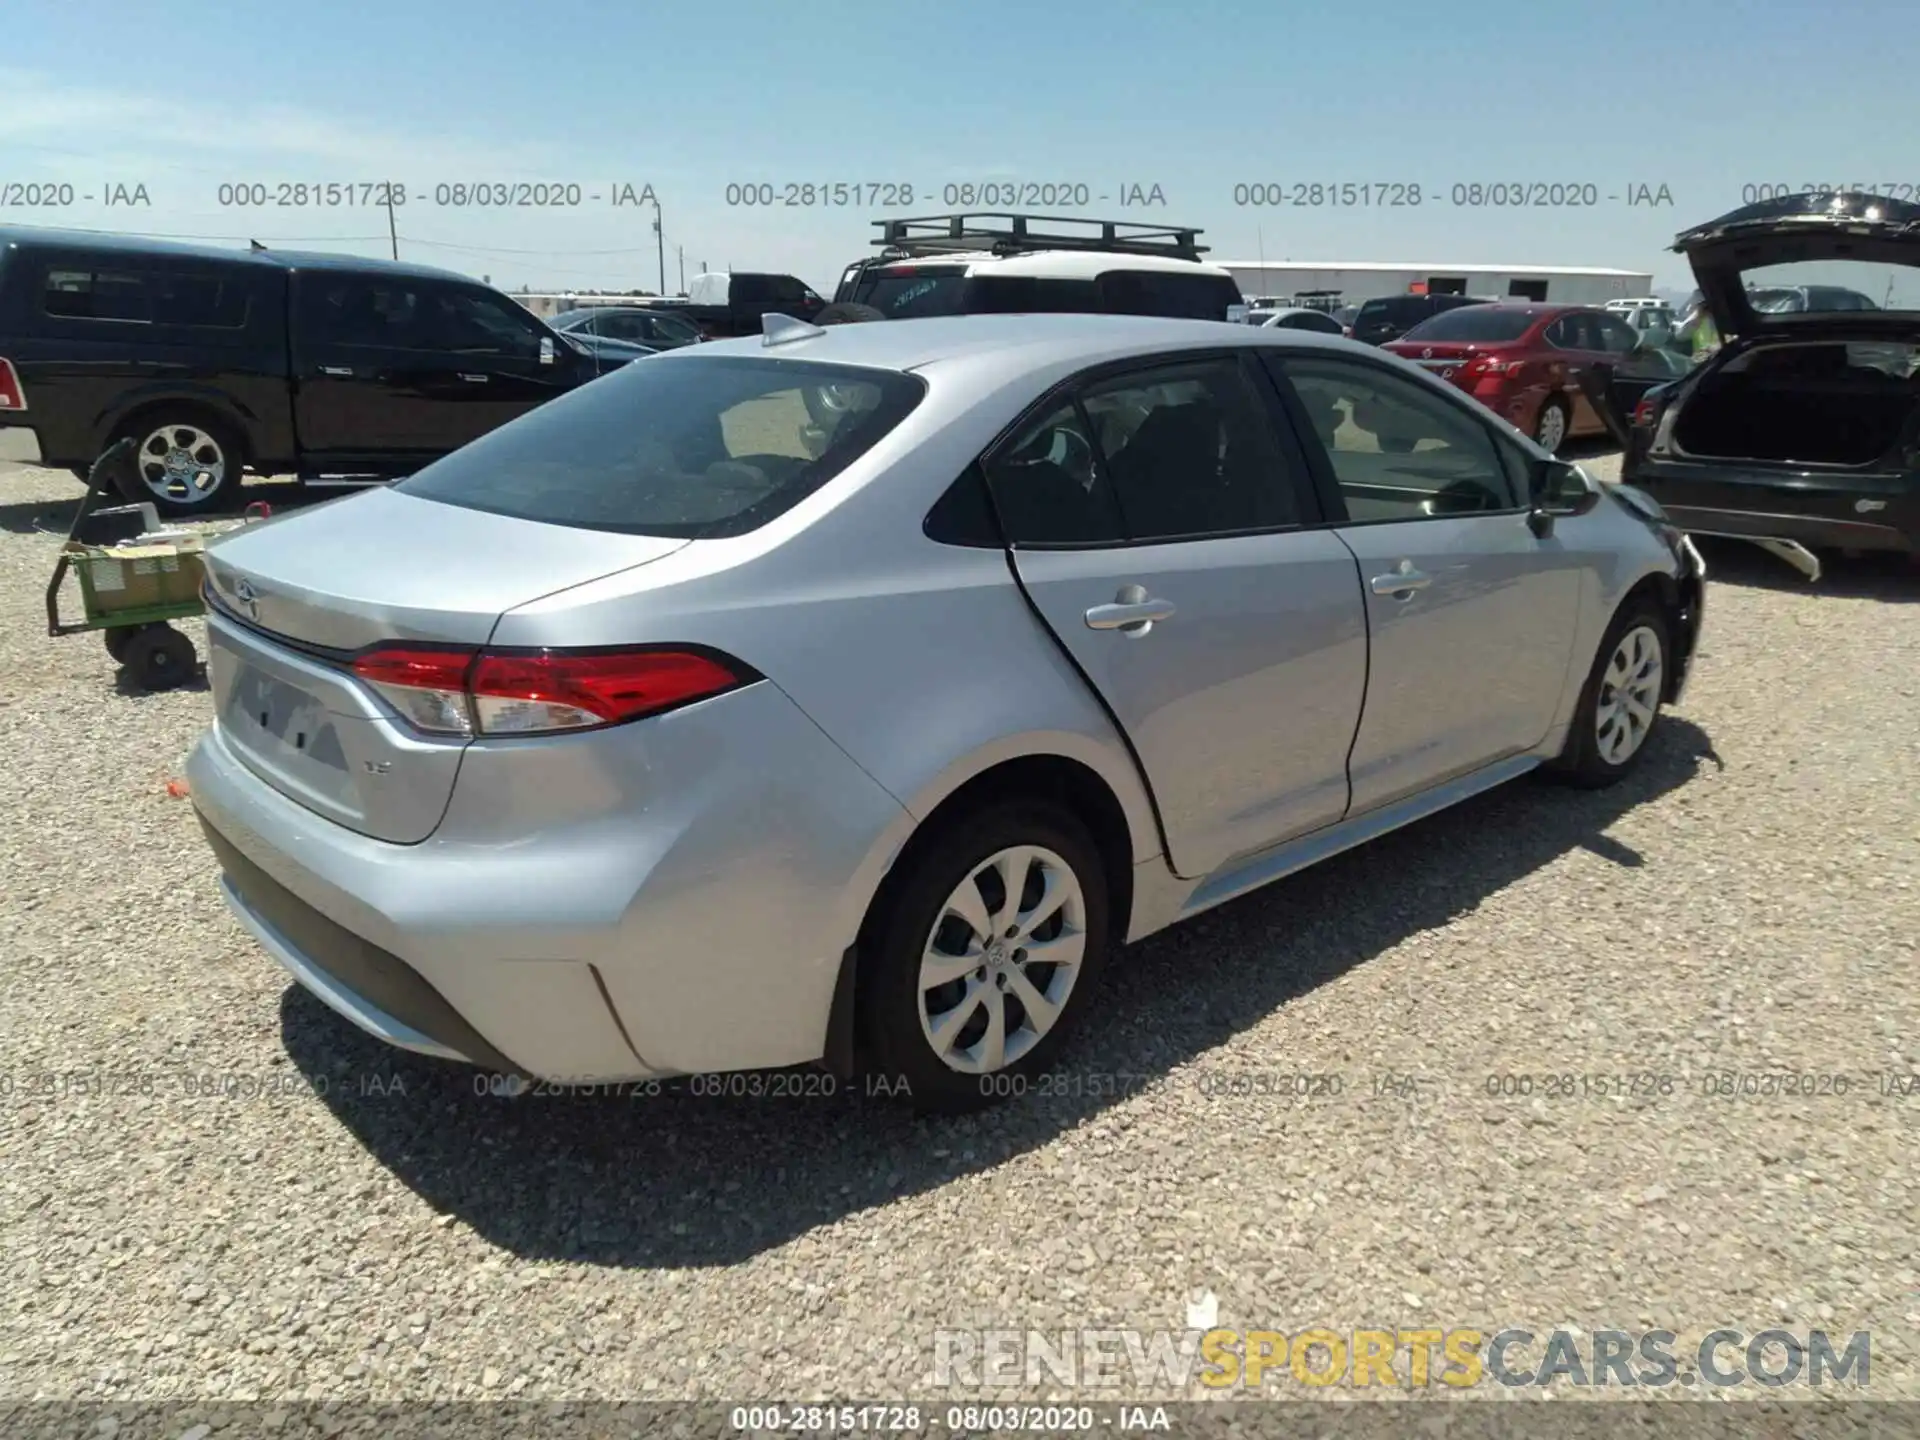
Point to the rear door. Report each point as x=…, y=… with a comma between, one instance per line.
x=1471, y=616
x=1163, y=528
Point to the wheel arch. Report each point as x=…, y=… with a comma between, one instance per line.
x=140, y=406
x=1677, y=598
x=1065, y=780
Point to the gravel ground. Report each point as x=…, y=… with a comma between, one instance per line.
x=1746, y=903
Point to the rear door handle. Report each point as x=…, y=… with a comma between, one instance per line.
x=1402, y=581
x=335, y=370
x=1133, y=611
x=472, y=379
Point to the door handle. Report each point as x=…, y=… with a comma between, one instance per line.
x=1132, y=611
x=1402, y=581
x=472, y=379
x=335, y=370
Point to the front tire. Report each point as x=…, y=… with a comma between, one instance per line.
x=1620, y=703
x=979, y=961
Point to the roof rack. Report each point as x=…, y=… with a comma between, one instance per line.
x=1014, y=235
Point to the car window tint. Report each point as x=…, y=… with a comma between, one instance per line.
x=199, y=301
x=1049, y=486
x=1191, y=452
x=1031, y=295
x=352, y=310
x=469, y=323
x=1616, y=336
x=702, y=448
x=1397, y=452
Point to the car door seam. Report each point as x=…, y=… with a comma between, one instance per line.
x=1366, y=666
x=1139, y=765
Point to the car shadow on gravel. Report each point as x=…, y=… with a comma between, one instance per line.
x=692, y=1179
x=1876, y=575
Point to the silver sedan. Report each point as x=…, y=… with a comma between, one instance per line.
x=851, y=695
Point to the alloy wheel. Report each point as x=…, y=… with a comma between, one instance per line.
x=1552, y=430
x=1629, y=695
x=182, y=464
x=1003, y=957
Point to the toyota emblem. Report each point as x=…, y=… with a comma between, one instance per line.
x=243, y=593
x=1427, y=354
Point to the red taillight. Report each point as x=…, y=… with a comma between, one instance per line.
x=517, y=694
x=1647, y=412
x=13, y=395
x=451, y=691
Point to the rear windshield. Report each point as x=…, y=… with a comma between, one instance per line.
x=1400, y=307
x=1474, y=322
x=695, y=448
x=911, y=294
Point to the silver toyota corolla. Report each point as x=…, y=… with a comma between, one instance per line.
x=851, y=694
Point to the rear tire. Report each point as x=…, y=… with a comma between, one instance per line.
x=1551, y=427
x=1619, y=706
x=944, y=998
x=185, y=462
x=159, y=657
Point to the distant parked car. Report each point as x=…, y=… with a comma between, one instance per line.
x=1299, y=318
x=614, y=746
x=1522, y=361
x=656, y=329
x=1002, y=264
x=1797, y=299
x=1388, y=317
x=1803, y=431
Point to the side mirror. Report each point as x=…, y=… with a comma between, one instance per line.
x=1560, y=488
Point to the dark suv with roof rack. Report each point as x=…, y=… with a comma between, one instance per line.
x=992, y=264
x=324, y=366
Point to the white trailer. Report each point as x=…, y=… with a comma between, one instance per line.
x=1369, y=280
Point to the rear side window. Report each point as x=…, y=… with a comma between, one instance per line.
x=360, y=310
x=694, y=448
x=1191, y=451
x=143, y=297
x=1031, y=295
x=1167, y=293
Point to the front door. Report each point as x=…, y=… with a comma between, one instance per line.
x=1471, y=616
x=1160, y=526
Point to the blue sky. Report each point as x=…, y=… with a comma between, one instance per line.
x=183, y=96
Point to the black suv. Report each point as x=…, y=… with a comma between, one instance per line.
x=1391, y=316
x=218, y=360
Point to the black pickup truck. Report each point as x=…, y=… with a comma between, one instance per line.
x=217, y=361
x=729, y=304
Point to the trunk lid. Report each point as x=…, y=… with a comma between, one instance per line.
x=1442, y=357
x=294, y=597
x=1812, y=228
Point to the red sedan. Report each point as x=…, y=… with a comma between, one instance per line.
x=1522, y=361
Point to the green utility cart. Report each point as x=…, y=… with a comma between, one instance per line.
x=130, y=590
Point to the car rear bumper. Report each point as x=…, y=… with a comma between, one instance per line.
x=664, y=898
x=20, y=444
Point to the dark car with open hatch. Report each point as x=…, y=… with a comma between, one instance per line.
x=1802, y=431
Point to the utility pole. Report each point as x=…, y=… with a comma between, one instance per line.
x=682, y=252
x=393, y=235
x=660, y=240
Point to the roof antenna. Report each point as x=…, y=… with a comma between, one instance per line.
x=776, y=329
x=255, y=245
